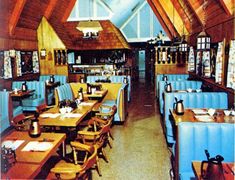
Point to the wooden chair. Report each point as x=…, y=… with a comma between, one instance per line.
x=97, y=136
x=21, y=122
x=68, y=170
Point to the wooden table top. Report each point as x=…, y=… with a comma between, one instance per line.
x=61, y=120
x=97, y=94
x=36, y=157
x=226, y=166
x=189, y=116
x=20, y=93
x=22, y=171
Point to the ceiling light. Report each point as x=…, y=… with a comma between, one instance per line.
x=89, y=28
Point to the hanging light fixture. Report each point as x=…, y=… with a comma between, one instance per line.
x=89, y=28
x=43, y=51
x=203, y=39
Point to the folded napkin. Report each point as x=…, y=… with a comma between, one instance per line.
x=204, y=118
x=86, y=103
x=72, y=115
x=13, y=144
x=49, y=115
x=37, y=146
x=199, y=111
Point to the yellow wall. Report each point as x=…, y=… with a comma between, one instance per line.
x=48, y=39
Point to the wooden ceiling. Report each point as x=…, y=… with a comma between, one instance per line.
x=21, y=18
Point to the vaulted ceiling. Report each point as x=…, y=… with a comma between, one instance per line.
x=21, y=18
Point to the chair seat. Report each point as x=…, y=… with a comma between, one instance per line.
x=109, y=102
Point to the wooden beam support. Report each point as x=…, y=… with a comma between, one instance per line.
x=165, y=18
x=68, y=10
x=50, y=8
x=16, y=15
x=159, y=17
x=182, y=13
x=195, y=11
x=225, y=5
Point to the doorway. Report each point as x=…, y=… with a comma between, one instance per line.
x=141, y=63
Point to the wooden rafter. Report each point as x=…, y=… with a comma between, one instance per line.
x=16, y=15
x=68, y=10
x=182, y=13
x=195, y=12
x=50, y=8
x=225, y=5
x=165, y=18
x=159, y=17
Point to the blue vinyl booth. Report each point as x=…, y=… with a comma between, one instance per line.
x=170, y=77
x=113, y=79
x=195, y=138
x=37, y=98
x=216, y=100
x=176, y=85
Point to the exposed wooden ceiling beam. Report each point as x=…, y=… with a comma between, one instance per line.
x=68, y=10
x=195, y=11
x=165, y=18
x=16, y=15
x=50, y=8
x=159, y=17
x=182, y=13
x=226, y=6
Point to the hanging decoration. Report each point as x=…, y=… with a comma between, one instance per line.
x=191, y=60
x=206, y=64
x=7, y=65
x=18, y=64
x=231, y=66
x=35, y=62
x=219, y=64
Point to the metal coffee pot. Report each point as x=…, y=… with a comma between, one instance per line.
x=35, y=129
x=168, y=87
x=179, y=107
x=214, y=170
x=164, y=78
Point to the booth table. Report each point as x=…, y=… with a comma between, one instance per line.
x=227, y=167
x=21, y=95
x=29, y=162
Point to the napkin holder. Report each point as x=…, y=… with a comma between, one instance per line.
x=8, y=159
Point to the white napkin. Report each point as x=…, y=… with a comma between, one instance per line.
x=86, y=103
x=13, y=144
x=199, y=111
x=72, y=115
x=49, y=115
x=37, y=146
x=204, y=118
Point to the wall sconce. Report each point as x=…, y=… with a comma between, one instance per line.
x=12, y=53
x=43, y=53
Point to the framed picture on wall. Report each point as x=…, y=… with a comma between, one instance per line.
x=26, y=62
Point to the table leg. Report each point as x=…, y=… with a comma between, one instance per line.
x=63, y=149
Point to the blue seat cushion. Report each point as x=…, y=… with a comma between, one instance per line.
x=32, y=101
x=4, y=123
x=17, y=110
x=109, y=102
x=187, y=176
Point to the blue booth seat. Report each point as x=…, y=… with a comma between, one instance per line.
x=64, y=92
x=38, y=96
x=216, y=100
x=113, y=79
x=176, y=85
x=170, y=77
x=5, y=110
x=195, y=138
x=58, y=78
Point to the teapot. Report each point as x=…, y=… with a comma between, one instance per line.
x=52, y=79
x=88, y=88
x=35, y=130
x=80, y=95
x=214, y=170
x=179, y=107
x=24, y=87
x=168, y=87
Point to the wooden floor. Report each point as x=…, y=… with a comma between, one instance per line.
x=139, y=149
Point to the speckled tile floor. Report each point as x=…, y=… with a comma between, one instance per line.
x=139, y=149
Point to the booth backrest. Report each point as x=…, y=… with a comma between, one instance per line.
x=64, y=92
x=176, y=85
x=5, y=110
x=216, y=100
x=170, y=77
x=195, y=138
x=58, y=78
x=114, y=79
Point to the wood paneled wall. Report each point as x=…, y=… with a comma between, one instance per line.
x=49, y=40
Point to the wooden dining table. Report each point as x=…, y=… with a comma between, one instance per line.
x=97, y=95
x=54, y=118
x=227, y=167
x=19, y=95
x=29, y=162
